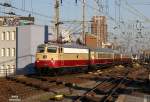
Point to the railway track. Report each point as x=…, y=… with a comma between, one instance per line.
x=10, y=89
x=108, y=84
x=41, y=84
x=109, y=89
x=112, y=93
x=105, y=88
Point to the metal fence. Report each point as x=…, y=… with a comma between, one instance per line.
x=8, y=67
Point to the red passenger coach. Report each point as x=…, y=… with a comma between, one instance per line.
x=101, y=57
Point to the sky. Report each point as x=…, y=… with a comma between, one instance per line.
x=118, y=20
x=71, y=11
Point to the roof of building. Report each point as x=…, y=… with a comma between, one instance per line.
x=68, y=45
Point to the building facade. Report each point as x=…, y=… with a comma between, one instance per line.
x=99, y=28
x=28, y=38
x=91, y=40
x=18, y=47
x=7, y=50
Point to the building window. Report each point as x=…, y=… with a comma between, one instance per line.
x=2, y=69
x=8, y=52
x=7, y=67
x=2, y=52
x=11, y=70
x=3, y=36
x=7, y=35
x=13, y=35
x=13, y=52
x=12, y=66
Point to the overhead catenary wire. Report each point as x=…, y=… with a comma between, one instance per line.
x=137, y=11
x=10, y=13
x=109, y=17
x=24, y=10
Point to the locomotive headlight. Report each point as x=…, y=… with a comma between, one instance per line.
x=52, y=60
x=44, y=56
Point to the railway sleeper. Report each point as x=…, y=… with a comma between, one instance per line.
x=104, y=90
x=90, y=99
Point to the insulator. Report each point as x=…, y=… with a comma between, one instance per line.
x=11, y=13
x=7, y=4
x=76, y=1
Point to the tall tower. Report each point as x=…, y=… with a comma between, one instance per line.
x=99, y=28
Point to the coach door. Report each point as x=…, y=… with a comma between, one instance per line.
x=92, y=57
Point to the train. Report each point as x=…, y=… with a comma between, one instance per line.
x=57, y=58
x=145, y=56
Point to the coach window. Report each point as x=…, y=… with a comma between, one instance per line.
x=51, y=49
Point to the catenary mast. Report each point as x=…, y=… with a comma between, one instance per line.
x=83, y=25
x=57, y=6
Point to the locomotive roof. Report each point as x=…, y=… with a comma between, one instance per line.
x=67, y=45
x=74, y=45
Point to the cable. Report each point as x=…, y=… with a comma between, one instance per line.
x=36, y=18
x=138, y=12
x=9, y=5
x=110, y=17
x=10, y=13
x=31, y=7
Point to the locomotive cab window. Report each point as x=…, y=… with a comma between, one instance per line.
x=52, y=49
x=40, y=49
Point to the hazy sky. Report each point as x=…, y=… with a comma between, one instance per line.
x=72, y=11
x=130, y=12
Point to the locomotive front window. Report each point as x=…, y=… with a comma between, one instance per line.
x=51, y=49
x=40, y=49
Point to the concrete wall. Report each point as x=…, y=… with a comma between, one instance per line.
x=28, y=38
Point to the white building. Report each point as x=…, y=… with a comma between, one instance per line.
x=7, y=50
x=18, y=47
